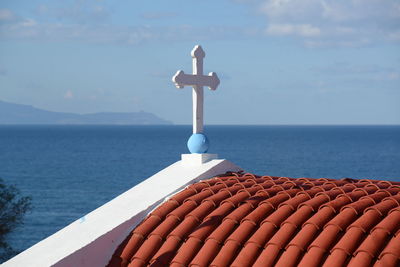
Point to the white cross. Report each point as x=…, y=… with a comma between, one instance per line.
x=197, y=81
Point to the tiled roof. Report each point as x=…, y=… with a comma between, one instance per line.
x=246, y=220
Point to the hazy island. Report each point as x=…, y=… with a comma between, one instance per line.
x=11, y=113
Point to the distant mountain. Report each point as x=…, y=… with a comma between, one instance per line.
x=11, y=113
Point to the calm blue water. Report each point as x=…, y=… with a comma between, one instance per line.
x=71, y=170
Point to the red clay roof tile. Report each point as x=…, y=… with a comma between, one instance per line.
x=387, y=260
x=247, y=220
x=292, y=254
x=226, y=254
x=392, y=249
x=247, y=255
x=187, y=251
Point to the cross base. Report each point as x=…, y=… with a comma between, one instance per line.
x=197, y=159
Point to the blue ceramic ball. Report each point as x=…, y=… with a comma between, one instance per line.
x=198, y=143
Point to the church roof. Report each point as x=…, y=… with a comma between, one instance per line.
x=241, y=219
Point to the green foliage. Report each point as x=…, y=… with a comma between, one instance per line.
x=12, y=210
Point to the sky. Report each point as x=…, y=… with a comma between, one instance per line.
x=307, y=62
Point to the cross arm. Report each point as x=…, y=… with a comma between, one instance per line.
x=182, y=79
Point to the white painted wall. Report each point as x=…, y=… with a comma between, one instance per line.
x=92, y=239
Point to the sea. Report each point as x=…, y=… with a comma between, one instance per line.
x=70, y=170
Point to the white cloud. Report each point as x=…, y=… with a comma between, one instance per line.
x=366, y=72
x=159, y=15
x=334, y=22
x=395, y=36
x=393, y=76
x=68, y=95
x=317, y=23
x=6, y=14
x=306, y=30
x=28, y=23
x=29, y=29
x=77, y=11
x=90, y=21
x=42, y=9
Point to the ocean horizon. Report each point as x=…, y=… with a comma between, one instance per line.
x=69, y=170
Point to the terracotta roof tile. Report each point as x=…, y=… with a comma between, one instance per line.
x=391, y=250
x=243, y=220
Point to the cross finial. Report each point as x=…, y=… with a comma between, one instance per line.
x=198, y=142
x=198, y=52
